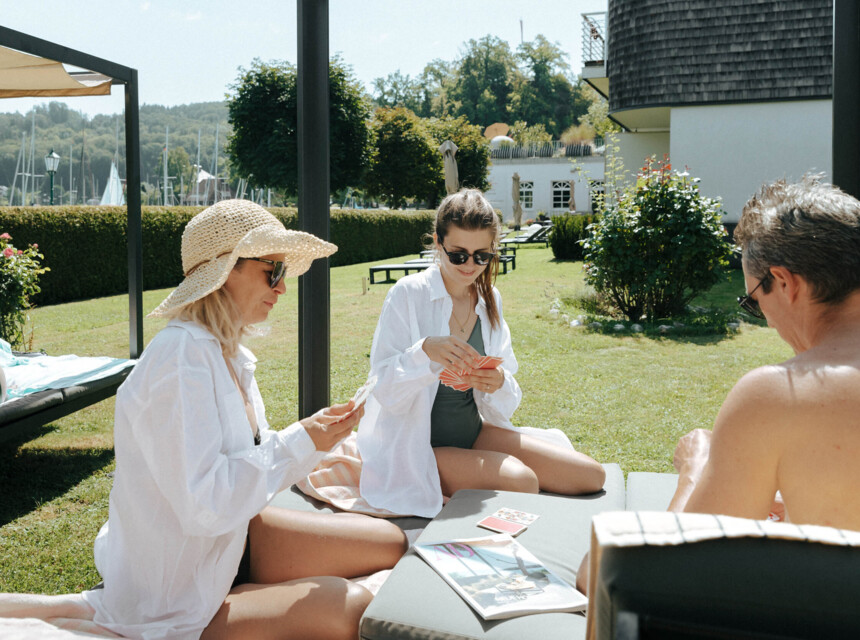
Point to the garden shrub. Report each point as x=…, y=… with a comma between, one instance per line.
x=86, y=248
x=658, y=246
x=19, y=280
x=568, y=231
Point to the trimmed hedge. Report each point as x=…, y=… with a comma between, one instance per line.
x=87, y=251
x=567, y=232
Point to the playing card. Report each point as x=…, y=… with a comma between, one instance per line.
x=513, y=515
x=502, y=526
x=362, y=394
x=454, y=379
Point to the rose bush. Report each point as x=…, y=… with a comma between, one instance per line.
x=19, y=280
x=658, y=247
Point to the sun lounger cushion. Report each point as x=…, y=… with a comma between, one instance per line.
x=415, y=602
x=650, y=491
x=720, y=577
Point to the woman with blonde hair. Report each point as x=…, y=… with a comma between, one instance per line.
x=420, y=439
x=191, y=549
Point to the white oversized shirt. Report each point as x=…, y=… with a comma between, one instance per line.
x=188, y=480
x=398, y=466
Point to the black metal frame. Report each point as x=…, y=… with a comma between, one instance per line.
x=313, y=161
x=846, y=96
x=127, y=77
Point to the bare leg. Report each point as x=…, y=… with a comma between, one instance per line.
x=324, y=608
x=67, y=611
x=300, y=563
x=288, y=545
x=558, y=470
x=31, y=605
x=480, y=469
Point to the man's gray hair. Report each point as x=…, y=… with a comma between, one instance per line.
x=811, y=228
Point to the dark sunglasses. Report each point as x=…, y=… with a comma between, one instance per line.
x=749, y=304
x=279, y=270
x=480, y=258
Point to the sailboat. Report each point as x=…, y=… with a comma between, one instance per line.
x=113, y=190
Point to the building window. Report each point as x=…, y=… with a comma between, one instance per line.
x=597, y=192
x=527, y=194
x=560, y=194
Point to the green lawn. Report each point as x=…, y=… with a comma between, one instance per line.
x=620, y=398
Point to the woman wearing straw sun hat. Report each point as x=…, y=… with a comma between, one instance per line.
x=190, y=548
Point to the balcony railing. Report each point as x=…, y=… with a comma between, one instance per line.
x=593, y=38
x=553, y=149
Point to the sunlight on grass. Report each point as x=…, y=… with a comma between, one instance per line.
x=620, y=398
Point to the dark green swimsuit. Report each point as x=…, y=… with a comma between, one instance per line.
x=454, y=420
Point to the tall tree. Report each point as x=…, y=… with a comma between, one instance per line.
x=485, y=78
x=405, y=162
x=544, y=93
x=263, y=113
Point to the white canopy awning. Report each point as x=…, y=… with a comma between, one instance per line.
x=24, y=75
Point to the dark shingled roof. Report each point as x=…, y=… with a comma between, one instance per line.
x=674, y=52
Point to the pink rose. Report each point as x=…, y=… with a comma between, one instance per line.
x=34, y=245
x=20, y=252
x=8, y=252
x=5, y=236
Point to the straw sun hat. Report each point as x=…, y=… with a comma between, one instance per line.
x=228, y=230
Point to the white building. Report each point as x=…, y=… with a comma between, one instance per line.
x=738, y=91
x=546, y=174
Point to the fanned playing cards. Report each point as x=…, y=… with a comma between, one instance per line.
x=455, y=379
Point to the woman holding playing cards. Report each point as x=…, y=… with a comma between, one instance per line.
x=191, y=548
x=439, y=417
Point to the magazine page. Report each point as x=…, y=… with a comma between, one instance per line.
x=499, y=578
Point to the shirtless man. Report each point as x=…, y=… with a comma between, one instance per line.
x=792, y=427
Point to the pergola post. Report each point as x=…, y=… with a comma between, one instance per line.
x=313, y=182
x=132, y=198
x=846, y=96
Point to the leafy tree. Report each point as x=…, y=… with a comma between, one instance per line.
x=405, y=162
x=437, y=81
x=525, y=134
x=397, y=90
x=484, y=81
x=473, y=153
x=658, y=247
x=543, y=93
x=597, y=116
x=263, y=113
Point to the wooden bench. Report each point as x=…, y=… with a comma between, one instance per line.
x=404, y=267
x=419, y=264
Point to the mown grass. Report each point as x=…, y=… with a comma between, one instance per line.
x=623, y=398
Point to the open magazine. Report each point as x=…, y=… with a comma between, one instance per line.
x=499, y=578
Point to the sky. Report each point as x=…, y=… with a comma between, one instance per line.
x=188, y=51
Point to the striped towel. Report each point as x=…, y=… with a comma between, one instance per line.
x=336, y=480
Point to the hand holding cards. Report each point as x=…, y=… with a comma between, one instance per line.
x=361, y=395
x=508, y=521
x=455, y=379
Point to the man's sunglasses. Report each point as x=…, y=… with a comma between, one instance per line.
x=279, y=270
x=750, y=304
x=480, y=258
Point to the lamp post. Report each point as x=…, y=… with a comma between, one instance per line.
x=52, y=161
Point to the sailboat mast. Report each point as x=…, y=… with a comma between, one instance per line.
x=164, y=163
x=215, y=173
x=197, y=172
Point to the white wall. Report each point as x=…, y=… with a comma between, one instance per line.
x=542, y=172
x=734, y=149
x=634, y=148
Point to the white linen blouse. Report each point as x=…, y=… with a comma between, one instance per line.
x=398, y=466
x=188, y=480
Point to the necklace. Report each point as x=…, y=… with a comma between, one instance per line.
x=463, y=324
